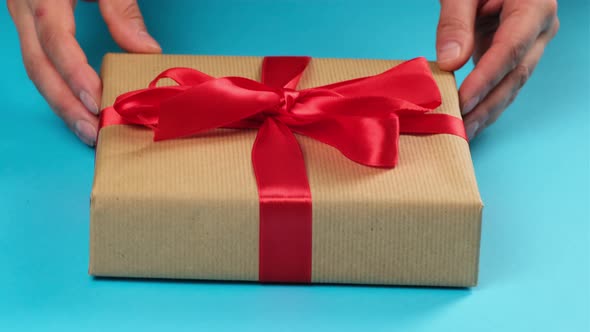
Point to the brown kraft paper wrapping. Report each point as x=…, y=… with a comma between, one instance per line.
x=188, y=208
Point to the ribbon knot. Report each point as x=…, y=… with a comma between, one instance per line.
x=281, y=111
x=288, y=99
x=362, y=118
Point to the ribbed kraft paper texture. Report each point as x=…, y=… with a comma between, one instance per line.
x=188, y=208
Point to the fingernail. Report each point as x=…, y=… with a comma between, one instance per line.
x=469, y=105
x=471, y=129
x=148, y=40
x=448, y=51
x=86, y=132
x=89, y=102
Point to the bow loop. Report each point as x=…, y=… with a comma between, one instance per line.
x=213, y=104
x=182, y=76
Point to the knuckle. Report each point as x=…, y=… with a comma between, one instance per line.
x=451, y=23
x=69, y=74
x=552, y=8
x=61, y=105
x=131, y=11
x=493, y=116
x=521, y=73
x=32, y=68
x=48, y=29
x=491, y=120
x=48, y=36
x=512, y=98
x=516, y=51
x=52, y=38
x=555, y=27
x=39, y=10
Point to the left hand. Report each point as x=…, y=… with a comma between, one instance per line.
x=506, y=39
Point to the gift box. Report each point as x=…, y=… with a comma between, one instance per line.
x=380, y=190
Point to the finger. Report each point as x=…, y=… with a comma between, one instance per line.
x=54, y=23
x=126, y=24
x=521, y=22
x=49, y=82
x=454, y=41
x=490, y=109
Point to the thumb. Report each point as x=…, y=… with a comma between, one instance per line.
x=125, y=23
x=455, y=33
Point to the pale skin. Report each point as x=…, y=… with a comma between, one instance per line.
x=505, y=39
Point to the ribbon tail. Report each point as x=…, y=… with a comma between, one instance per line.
x=428, y=124
x=110, y=117
x=285, y=242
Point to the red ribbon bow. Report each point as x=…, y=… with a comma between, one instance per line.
x=362, y=118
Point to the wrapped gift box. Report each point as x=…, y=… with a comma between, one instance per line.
x=188, y=208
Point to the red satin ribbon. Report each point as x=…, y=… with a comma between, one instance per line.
x=362, y=118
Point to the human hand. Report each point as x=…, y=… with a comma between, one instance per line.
x=506, y=39
x=57, y=65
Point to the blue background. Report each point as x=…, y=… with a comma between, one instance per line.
x=532, y=167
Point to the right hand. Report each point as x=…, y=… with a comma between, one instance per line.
x=57, y=65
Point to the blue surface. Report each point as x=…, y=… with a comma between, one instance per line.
x=532, y=167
